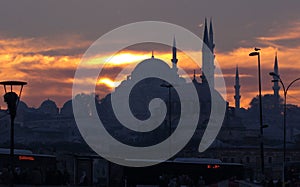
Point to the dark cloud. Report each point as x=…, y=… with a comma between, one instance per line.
x=60, y=52
x=58, y=74
x=290, y=43
x=234, y=20
x=143, y=47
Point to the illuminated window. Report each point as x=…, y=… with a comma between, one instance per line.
x=213, y=166
x=26, y=158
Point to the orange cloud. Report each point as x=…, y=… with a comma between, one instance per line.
x=48, y=64
x=291, y=32
x=38, y=61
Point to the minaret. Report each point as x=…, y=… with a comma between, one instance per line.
x=237, y=87
x=174, y=59
x=205, y=35
x=194, y=78
x=208, y=56
x=276, y=86
x=205, y=42
x=211, y=37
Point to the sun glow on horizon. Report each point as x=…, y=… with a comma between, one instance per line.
x=125, y=58
x=108, y=82
x=115, y=60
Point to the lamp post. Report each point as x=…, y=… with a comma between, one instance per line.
x=12, y=99
x=256, y=53
x=285, y=91
x=169, y=86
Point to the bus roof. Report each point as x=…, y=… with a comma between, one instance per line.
x=198, y=160
x=16, y=151
x=5, y=151
x=182, y=160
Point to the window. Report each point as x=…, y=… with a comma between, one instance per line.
x=270, y=160
x=247, y=160
x=257, y=160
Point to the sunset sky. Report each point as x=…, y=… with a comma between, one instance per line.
x=42, y=42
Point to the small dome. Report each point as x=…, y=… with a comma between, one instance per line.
x=22, y=105
x=49, y=107
x=67, y=110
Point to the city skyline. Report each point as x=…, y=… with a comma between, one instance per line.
x=46, y=53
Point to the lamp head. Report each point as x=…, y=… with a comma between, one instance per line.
x=272, y=74
x=12, y=84
x=11, y=98
x=256, y=49
x=254, y=53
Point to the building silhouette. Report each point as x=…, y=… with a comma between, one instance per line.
x=174, y=59
x=237, y=87
x=276, y=86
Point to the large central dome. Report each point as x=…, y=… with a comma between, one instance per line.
x=151, y=68
x=146, y=63
x=150, y=65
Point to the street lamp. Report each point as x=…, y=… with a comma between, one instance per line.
x=256, y=53
x=12, y=99
x=285, y=90
x=169, y=86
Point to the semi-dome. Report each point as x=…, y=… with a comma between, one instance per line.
x=49, y=107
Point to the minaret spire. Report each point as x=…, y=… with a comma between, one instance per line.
x=276, y=86
x=208, y=66
x=205, y=35
x=174, y=59
x=194, y=78
x=204, y=51
x=174, y=42
x=211, y=37
x=237, y=87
